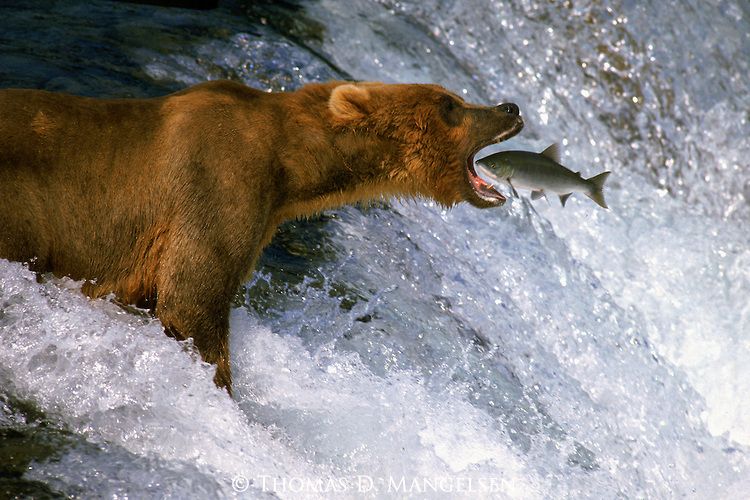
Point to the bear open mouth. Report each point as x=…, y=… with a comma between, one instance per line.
x=484, y=191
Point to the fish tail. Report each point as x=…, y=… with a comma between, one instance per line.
x=597, y=186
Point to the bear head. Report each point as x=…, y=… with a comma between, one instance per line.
x=436, y=135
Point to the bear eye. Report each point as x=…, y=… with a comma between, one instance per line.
x=450, y=111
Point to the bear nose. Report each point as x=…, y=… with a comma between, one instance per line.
x=510, y=108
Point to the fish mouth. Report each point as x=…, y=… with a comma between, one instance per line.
x=483, y=195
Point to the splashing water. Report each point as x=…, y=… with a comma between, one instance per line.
x=399, y=350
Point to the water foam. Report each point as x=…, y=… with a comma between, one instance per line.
x=120, y=382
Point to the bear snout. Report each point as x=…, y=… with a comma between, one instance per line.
x=510, y=108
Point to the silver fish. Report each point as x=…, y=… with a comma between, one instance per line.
x=542, y=172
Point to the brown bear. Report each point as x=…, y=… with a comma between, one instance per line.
x=167, y=202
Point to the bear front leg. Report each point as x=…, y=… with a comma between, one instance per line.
x=193, y=301
x=210, y=338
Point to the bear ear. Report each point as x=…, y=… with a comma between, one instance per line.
x=349, y=102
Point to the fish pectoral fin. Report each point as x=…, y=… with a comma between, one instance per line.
x=512, y=189
x=535, y=195
x=564, y=198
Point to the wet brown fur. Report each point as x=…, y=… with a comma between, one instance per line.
x=167, y=202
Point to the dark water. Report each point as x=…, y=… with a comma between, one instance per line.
x=527, y=351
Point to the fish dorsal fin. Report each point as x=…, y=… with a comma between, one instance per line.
x=552, y=152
